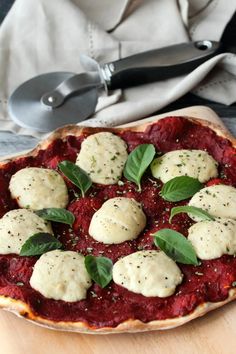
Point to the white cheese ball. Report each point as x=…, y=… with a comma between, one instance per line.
x=218, y=200
x=37, y=188
x=150, y=273
x=61, y=275
x=212, y=239
x=118, y=220
x=17, y=226
x=103, y=156
x=193, y=163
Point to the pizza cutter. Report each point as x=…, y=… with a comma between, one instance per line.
x=51, y=100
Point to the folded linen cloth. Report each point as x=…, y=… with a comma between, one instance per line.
x=42, y=36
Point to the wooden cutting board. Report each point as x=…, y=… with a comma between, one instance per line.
x=214, y=333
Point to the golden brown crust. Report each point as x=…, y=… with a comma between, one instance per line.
x=75, y=130
x=23, y=310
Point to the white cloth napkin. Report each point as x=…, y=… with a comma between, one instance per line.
x=42, y=36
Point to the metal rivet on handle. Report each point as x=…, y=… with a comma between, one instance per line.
x=203, y=45
x=51, y=99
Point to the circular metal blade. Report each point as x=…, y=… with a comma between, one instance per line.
x=27, y=110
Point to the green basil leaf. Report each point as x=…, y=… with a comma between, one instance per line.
x=39, y=243
x=176, y=246
x=180, y=188
x=137, y=163
x=76, y=175
x=56, y=214
x=192, y=210
x=99, y=269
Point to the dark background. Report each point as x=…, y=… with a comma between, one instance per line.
x=4, y=8
x=185, y=101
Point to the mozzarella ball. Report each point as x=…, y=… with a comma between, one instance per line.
x=150, y=273
x=118, y=220
x=37, y=188
x=193, y=163
x=61, y=275
x=212, y=239
x=218, y=200
x=103, y=156
x=17, y=226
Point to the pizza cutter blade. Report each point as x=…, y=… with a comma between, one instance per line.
x=27, y=108
x=51, y=100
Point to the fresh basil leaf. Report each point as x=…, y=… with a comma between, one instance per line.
x=76, y=175
x=192, y=210
x=56, y=214
x=180, y=188
x=99, y=269
x=176, y=246
x=39, y=243
x=137, y=163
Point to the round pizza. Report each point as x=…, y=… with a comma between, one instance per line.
x=120, y=230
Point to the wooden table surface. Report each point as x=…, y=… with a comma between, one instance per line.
x=213, y=334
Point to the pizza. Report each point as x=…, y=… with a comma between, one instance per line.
x=133, y=252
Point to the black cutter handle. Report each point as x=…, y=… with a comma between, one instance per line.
x=158, y=64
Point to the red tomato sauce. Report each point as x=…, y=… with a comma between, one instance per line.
x=114, y=304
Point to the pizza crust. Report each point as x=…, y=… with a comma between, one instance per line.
x=21, y=309
x=62, y=133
